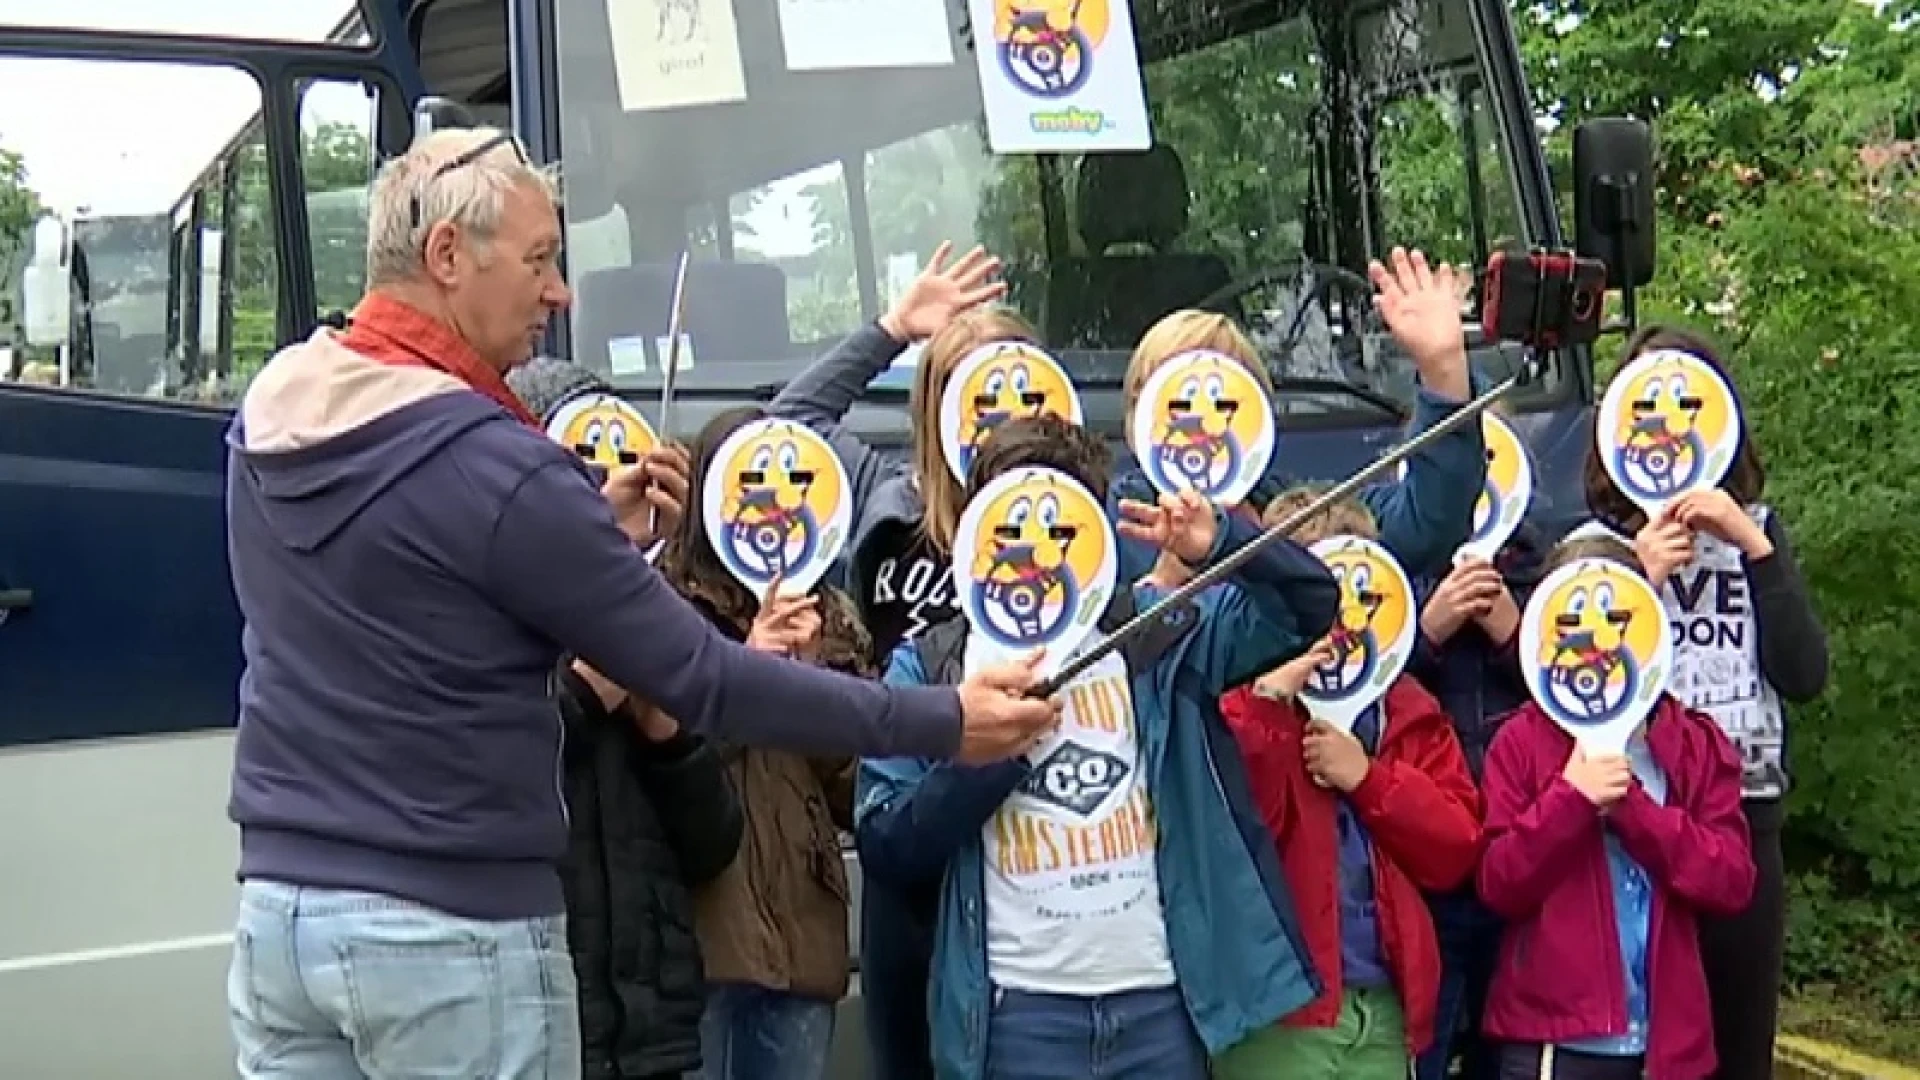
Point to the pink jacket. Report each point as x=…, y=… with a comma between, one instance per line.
x=1559, y=976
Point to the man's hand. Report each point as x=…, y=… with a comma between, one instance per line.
x=1714, y=512
x=999, y=720
x=1184, y=525
x=1465, y=595
x=785, y=625
x=1604, y=780
x=942, y=292
x=1335, y=759
x=1663, y=546
x=649, y=499
x=1422, y=308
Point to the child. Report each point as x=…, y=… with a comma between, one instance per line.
x=1728, y=576
x=651, y=817
x=1364, y=822
x=773, y=925
x=1601, y=867
x=1465, y=654
x=1033, y=978
x=1422, y=518
x=895, y=571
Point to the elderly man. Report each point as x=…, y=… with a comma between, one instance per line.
x=412, y=557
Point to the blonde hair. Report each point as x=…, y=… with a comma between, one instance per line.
x=940, y=493
x=1346, y=517
x=472, y=196
x=1185, y=331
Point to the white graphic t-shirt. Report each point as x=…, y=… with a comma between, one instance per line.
x=1716, y=658
x=1072, y=890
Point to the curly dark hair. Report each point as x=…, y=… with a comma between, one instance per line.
x=693, y=567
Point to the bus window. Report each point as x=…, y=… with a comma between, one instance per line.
x=801, y=225
x=337, y=122
x=173, y=265
x=1258, y=184
x=1449, y=189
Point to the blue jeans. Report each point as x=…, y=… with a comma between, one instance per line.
x=1469, y=936
x=328, y=984
x=1137, y=1035
x=751, y=1033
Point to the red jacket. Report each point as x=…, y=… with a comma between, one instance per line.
x=1421, y=812
x=1559, y=976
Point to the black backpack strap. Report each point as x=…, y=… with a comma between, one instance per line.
x=1163, y=633
x=942, y=650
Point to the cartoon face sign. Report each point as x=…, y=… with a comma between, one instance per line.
x=1668, y=425
x=604, y=430
x=1035, y=561
x=1504, y=494
x=1203, y=422
x=1372, y=635
x=776, y=502
x=1046, y=47
x=994, y=384
x=1595, y=641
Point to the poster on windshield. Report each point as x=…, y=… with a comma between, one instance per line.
x=832, y=35
x=1060, y=76
x=672, y=54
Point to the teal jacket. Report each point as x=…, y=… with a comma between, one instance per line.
x=1230, y=927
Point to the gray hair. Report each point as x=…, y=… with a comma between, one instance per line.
x=472, y=196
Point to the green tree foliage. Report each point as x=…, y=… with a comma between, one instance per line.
x=19, y=209
x=1788, y=211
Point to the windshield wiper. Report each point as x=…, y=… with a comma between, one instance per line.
x=1367, y=395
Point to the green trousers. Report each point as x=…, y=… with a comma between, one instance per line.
x=1368, y=1042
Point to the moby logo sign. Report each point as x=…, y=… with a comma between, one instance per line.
x=1060, y=75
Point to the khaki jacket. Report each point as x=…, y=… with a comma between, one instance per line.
x=777, y=917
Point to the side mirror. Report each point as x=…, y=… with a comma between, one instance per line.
x=47, y=287
x=431, y=114
x=1613, y=198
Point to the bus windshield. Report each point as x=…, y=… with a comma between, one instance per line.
x=1245, y=156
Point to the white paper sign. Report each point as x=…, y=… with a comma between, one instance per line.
x=1034, y=560
x=627, y=356
x=1504, y=495
x=1059, y=75
x=777, y=501
x=1597, y=650
x=663, y=348
x=1669, y=424
x=670, y=54
x=1372, y=635
x=1203, y=422
x=832, y=35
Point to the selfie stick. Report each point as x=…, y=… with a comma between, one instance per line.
x=676, y=325
x=1530, y=369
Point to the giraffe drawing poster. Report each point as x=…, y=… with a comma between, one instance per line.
x=671, y=54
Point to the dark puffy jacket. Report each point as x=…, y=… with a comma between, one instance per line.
x=649, y=821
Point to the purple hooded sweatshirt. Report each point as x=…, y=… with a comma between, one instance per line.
x=411, y=563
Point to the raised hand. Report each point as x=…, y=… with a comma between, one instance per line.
x=1604, y=780
x=650, y=498
x=785, y=625
x=1183, y=525
x=1421, y=305
x=941, y=292
x=1713, y=511
x=998, y=719
x=1663, y=546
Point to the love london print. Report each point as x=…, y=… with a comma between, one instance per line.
x=1716, y=660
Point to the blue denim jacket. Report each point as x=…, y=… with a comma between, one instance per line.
x=1230, y=924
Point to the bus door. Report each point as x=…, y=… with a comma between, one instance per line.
x=204, y=166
